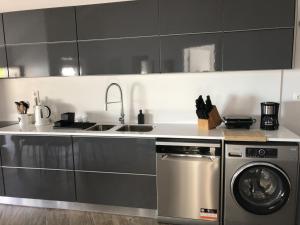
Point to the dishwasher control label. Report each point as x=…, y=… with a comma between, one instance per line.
x=209, y=214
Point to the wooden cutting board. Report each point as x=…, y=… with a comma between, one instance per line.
x=245, y=135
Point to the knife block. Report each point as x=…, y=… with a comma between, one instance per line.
x=212, y=122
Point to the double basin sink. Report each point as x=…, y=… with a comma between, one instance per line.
x=124, y=128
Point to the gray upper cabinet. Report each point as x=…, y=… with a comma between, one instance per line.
x=1, y=31
x=119, y=56
x=191, y=53
x=37, y=152
x=123, y=155
x=47, y=25
x=123, y=19
x=190, y=16
x=255, y=14
x=38, y=60
x=3, y=63
x=262, y=49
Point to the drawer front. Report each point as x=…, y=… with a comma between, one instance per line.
x=116, y=189
x=40, y=184
x=124, y=155
x=37, y=152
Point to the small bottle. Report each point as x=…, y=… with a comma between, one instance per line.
x=141, y=118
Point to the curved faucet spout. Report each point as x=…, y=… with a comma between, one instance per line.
x=122, y=116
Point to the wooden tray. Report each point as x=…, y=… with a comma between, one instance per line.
x=245, y=135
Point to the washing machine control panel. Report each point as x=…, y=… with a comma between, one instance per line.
x=261, y=152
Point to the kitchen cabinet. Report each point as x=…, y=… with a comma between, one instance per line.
x=119, y=56
x=1, y=31
x=138, y=191
x=37, y=152
x=190, y=16
x=257, y=50
x=116, y=171
x=123, y=155
x=191, y=53
x=39, y=167
x=256, y=14
x=3, y=63
x=39, y=184
x=45, y=25
x=114, y=20
x=37, y=60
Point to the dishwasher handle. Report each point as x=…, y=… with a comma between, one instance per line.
x=189, y=156
x=187, y=144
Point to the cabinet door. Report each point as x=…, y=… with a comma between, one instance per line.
x=125, y=155
x=37, y=152
x=122, y=56
x=122, y=19
x=46, y=25
x=191, y=53
x=3, y=63
x=253, y=14
x=190, y=16
x=116, y=189
x=39, y=184
x=37, y=60
x=1, y=31
x=254, y=50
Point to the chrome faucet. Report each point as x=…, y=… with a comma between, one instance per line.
x=122, y=117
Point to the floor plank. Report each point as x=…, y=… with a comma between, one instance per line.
x=16, y=215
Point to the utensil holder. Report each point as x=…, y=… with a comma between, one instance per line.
x=212, y=122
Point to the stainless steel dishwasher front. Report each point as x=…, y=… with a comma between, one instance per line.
x=188, y=180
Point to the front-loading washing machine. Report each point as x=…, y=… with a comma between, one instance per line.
x=261, y=181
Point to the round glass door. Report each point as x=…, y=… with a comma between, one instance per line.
x=261, y=188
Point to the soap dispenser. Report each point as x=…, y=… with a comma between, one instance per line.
x=141, y=118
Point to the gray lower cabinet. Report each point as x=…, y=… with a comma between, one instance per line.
x=123, y=155
x=38, y=167
x=39, y=184
x=138, y=191
x=116, y=171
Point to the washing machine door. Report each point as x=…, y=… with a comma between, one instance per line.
x=261, y=188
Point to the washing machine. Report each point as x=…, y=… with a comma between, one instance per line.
x=261, y=182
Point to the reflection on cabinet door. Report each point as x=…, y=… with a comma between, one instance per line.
x=124, y=155
x=190, y=16
x=39, y=184
x=253, y=14
x=254, y=50
x=121, y=19
x=45, y=25
x=122, y=56
x=3, y=64
x=1, y=31
x=116, y=189
x=1, y=183
x=191, y=53
x=38, y=60
x=37, y=152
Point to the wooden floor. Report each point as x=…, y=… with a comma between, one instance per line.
x=15, y=215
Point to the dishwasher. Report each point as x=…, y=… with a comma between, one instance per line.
x=188, y=181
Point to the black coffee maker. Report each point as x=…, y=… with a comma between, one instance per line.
x=269, y=116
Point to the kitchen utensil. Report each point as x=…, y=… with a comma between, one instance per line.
x=269, y=116
x=69, y=116
x=42, y=115
x=238, y=122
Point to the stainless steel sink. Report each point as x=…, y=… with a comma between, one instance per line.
x=100, y=127
x=136, y=128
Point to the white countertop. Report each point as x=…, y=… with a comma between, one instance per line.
x=159, y=131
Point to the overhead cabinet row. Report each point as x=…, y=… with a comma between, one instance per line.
x=148, y=36
x=146, y=18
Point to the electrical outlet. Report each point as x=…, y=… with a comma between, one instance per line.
x=296, y=96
